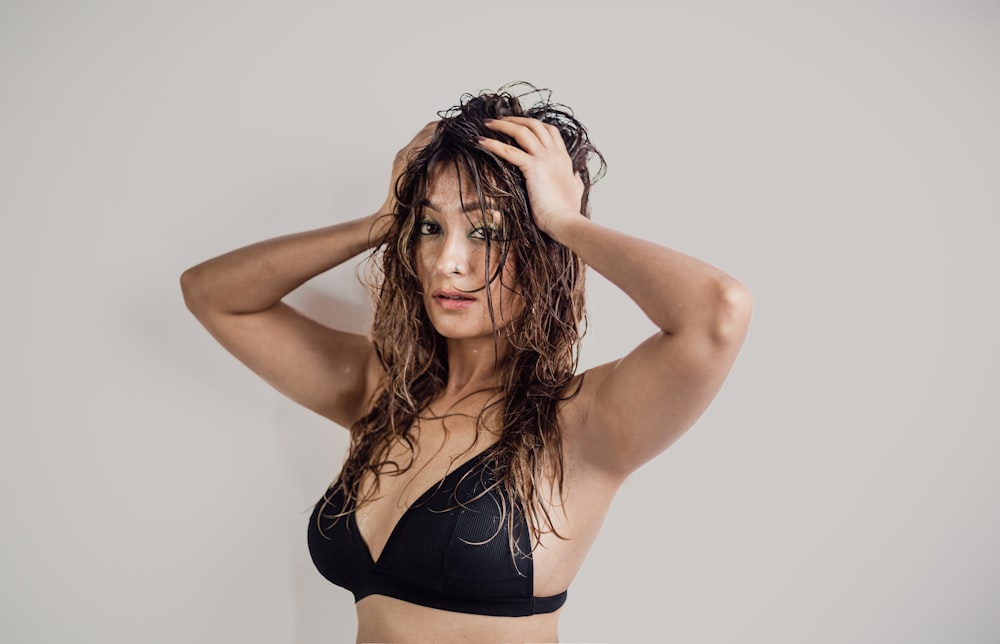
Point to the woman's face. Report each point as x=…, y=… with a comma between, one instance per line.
x=451, y=257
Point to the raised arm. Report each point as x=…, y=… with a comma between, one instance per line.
x=238, y=298
x=630, y=410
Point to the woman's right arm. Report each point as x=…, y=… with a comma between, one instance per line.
x=237, y=297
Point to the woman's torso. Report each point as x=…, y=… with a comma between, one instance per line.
x=450, y=445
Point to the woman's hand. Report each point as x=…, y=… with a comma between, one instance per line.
x=554, y=189
x=403, y=157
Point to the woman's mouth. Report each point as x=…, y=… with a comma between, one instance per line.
x=453, y=300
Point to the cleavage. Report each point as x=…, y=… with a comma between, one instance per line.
x=377, y=519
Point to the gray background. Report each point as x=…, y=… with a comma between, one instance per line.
x=842, y=159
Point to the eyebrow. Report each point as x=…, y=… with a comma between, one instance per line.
x=468, y=206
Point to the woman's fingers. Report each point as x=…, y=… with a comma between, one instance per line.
x=554, y=189
x=426, y=132
x=537, y=139
x=508, y=153
x=546, y=133
x=403, y=158
x=419, y=140
x=530, y=134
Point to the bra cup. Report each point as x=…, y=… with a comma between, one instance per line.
x=480, y=562
x=336, y=549
x=456, y=542
x=450, y=550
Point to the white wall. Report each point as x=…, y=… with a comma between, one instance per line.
x=840, y=158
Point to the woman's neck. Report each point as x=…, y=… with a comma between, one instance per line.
x=473, y=365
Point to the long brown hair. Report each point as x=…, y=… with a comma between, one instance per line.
x=541, y=355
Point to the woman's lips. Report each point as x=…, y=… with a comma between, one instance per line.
x=453, y=300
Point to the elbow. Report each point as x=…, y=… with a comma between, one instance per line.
x=730, y=313
x=191, y=288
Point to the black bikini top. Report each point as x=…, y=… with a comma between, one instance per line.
x=450, y=550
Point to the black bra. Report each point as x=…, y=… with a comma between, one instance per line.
x=450, y=550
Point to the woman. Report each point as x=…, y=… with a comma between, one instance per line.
x=481, y=466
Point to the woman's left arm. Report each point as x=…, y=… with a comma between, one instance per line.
x=634, y=408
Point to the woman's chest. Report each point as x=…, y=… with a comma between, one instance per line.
x=428, y=483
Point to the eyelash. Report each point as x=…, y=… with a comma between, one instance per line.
x=422, y=228
x=493, y=233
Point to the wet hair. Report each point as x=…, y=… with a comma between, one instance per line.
x=541, y=347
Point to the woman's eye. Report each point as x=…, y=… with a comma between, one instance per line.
x=428, y=228
x=493, y=233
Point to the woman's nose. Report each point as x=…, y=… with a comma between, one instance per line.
x=455, y=257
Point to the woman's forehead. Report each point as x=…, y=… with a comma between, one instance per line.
x=449, y=190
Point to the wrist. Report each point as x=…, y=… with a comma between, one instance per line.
x=376, y=226
x=559, y=226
